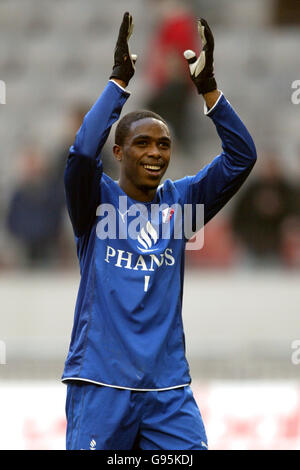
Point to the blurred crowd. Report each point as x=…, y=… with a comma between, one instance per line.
x=262, y=227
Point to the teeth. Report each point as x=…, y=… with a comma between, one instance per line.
x=152, y=167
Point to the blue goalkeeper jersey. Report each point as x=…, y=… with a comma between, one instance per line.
x=128, y=329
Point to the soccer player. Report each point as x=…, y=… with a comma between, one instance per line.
x=127, y=374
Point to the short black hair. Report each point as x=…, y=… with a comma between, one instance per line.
x=124, y=124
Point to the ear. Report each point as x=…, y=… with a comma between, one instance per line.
x=117, y=150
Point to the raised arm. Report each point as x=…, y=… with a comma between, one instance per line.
x=84, y=166
x=215, y=184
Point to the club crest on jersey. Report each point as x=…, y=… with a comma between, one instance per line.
x=167, y=214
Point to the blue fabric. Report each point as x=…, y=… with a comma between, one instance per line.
x=128, y=329
x=104, y=418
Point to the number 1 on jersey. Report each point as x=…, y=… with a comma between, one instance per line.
x=146, y=283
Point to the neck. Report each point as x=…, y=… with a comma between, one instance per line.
x=141, y=194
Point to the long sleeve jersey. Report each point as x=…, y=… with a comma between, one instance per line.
x=128, y=330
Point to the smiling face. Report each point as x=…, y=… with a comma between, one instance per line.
x=144, y=158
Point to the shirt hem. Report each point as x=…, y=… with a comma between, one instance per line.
x=125, y=388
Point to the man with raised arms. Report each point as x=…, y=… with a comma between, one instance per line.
x=127, y=374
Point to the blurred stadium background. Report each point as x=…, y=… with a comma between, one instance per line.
x=242, y=295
